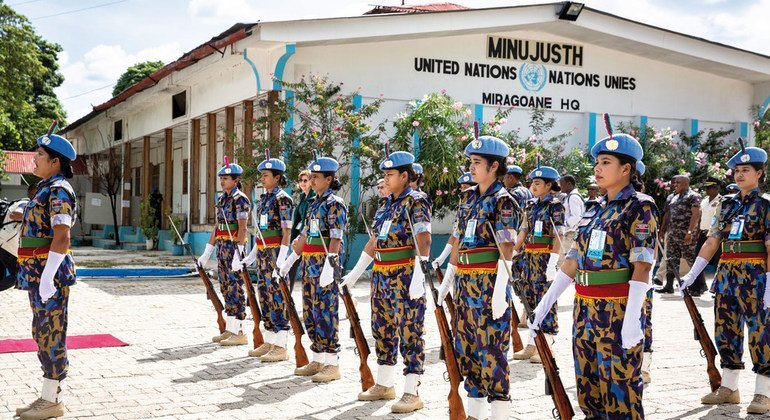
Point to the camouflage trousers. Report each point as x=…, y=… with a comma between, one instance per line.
x=608, y=377
x=49, y=329
x=534, y=292
x=676, y=250
x=733, y=311
x=647, y=322
x=271, y=301
x=320, y=307
x=480, y=341
x=230, y=283
x=398, y=322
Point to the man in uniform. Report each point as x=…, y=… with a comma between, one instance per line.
x=681, y=218
x=708, y=209
x=512, y=182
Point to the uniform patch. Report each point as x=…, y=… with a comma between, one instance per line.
x=56, y=204
x=418, y=215
x=506, y=214
x=642, y=231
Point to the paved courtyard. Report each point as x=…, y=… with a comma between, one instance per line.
x=171, y=369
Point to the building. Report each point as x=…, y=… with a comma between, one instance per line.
x=175, y=126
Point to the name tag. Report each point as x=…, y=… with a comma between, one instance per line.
x=736, y=230
x=596, y=244
x=539, y=228
x=263, y=221
x=385, y=229
x=470, y=231
x=314, y=230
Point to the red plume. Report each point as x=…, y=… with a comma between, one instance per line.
x=607, y=124
x=52, y=127
x=475, y=129
x=742, y=144
x=227, y=161
x=387, y=149
x=267, y=154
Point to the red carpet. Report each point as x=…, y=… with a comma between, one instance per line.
x=73, y=342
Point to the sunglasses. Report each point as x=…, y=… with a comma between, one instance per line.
x=304, y=180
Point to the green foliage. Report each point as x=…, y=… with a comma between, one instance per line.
x=762, y=136
x=147, y=219
x=29, y=73
x=134, y=74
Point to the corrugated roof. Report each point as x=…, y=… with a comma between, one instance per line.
x=421, y=8
x=19, y=162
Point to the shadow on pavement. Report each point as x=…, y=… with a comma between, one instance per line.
x=181, y=352
x=148, y=286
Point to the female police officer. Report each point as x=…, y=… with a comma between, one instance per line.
x=742, y=295
x=230, y=236
x=46, y=268
x=398, y=288
x=610, y=260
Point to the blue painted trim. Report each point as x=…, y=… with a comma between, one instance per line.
x=197, y=241
x=416, y=138
x=280, y=66
x=763, y=109
x=693, y=131
x=253, y=68
x=591, y=130
x=355, y=164
x=288, y=127
x=133, y=272
x=642, y=126
x=744, y=130
x=478, y=114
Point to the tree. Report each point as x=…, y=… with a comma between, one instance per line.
x=108, y=173
x=134, y=74
x=29, y=73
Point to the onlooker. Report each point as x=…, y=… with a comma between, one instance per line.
x=300, y=216
x=574, y=207
x=681, y=220
x=708, y=209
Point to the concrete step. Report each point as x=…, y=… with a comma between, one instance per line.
x=104, y=243
x=133, y=246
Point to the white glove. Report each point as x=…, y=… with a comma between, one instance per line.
x=236, y=265
x=631, y=333
x=499, y=303
x=249, y=260
x=286, y=266
x=766, y=296
x=47, y=288
x=697, y=268
x=550, y=271
x=204, y=258
x=443, y=256
x=447, y=284
x=417, y=286
x=352, y=277
x=560, y=283
x=282, y=252
x=327, y=272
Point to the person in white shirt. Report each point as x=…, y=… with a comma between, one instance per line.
x=574, y=207
x=708, y=209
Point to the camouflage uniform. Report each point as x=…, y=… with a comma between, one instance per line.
x=608, y=377
x=541, y=216
x=398, y=322
x=321, y=304
x=481, y=342
x=53, y=204
x=235, y=207
x=274, y=213
x=679, y=208
x=740, y=281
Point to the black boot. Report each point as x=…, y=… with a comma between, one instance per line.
x=669, y=287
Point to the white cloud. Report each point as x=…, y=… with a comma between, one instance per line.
x=223, y=10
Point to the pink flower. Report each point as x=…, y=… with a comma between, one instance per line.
x=457, y=105
x=438, y=192
x=729, y=172
x=415, y=123
x=463, y=138
x=717, y=165
x=503, y=121
x=443, y=91
x=446, y=192
x=445, y=170
x=756, y=124
x=532, y=138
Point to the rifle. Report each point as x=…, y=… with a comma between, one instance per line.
x=456, y=409
x=212, y=295
x=362, y=347
x=251, y=295
x=553, y=385
x=300, y=356
x=707, y=346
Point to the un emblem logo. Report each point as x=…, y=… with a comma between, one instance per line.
x=532, y=77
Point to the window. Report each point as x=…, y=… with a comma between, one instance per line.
x=137, y=182
x=184, y=176
x=179, y=105
x=117, y=130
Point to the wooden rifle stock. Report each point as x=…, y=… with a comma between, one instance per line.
x=300, y=356
x=707, y=346
x=362, y=347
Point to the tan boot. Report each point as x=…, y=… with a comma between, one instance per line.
x=407, y=404
x=309, y=369
x=261, y=350
x=28, y=406
x=526, y=353
x=646, y=362
x=225, y=335
x=536, y=358
x=43, y=410
x=239, y=339
x=327, y=374
x=646, y=377
x=536, y=355
x=276, y=354
x=722, y=395
x=759, y=405
x=378, y=392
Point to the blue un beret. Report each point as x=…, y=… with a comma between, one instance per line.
x=621, y=144
x=732, y=188
x=323, y=164
x=487, y=145
x=466, y=179
x=515, y=169
x=273, y=163
x=397, y=160
x=641, y=168
x=545, y=172
x=59, y=145
x=752, y=155
x=230, y=169
x=417, y=168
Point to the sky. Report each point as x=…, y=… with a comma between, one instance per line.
x=101, y=38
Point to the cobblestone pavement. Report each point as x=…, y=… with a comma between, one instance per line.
x=172, y=369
